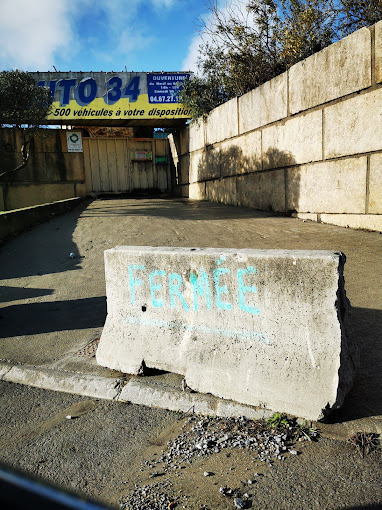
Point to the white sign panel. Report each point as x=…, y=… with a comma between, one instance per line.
x=74, y=140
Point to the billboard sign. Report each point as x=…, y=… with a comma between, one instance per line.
x=120, y=96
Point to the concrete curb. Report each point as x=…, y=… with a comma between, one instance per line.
x=137, y=390
x=144, y=392
x=67, y=382
x=141, y=391
x=15, y=221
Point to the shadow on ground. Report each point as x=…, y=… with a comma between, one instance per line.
x=22, y=256
x=35, y=318
x=365, y=397
x=193, y=210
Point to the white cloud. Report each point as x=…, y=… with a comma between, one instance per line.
x=159, y=4
x=34, y=34
x=31, y=32
x=190, y=62
x=227, y=8
x=127, y=22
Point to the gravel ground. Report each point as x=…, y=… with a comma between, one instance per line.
x=237, y=463
x=134, y=457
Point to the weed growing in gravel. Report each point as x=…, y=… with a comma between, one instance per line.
x=365, y=443
x=292, y=428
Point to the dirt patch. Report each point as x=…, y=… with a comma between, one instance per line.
x=218, y=463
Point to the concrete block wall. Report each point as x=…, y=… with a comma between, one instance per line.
x=52, y=173
x=308, y=142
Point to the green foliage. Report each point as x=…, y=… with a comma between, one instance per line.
x=203, y=94
x=246, y=48
x=292, y=428
x=278, y=421
x=22, y=101
x=24, y=106
x=355, y=14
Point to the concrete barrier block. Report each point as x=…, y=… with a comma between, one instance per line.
x=360, y=221
x=378, y=52
x=184, y=169
x=329, y=186
x=338, y=70
x=196, y=133
x=185, y=140
x=211, y=167
x=2, y=203
x=185, y=191
x=15, y=221
x=264, y=191
x=222, y=191
x=263, y=105
x=296, y=141
x=205, y=165
x=20, y=195
x=265, y=328
x=375, y=185
x=222, y=122
x=352, y=127
x=230, y=157
x=197, y=161
x=197, y=191
x=241, y=155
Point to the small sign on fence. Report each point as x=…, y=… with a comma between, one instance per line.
x=141, y=155
x=74, y=140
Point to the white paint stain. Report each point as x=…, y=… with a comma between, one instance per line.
x=310, y=352
x=195, y=328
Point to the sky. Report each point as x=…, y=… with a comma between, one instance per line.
x=102, y=35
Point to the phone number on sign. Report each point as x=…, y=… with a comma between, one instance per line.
x=164, y=99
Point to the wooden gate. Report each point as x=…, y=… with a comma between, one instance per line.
x=116, y=165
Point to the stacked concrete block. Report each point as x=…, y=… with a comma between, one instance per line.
x=264, y=105
x=336, y=71
x=353, y=126
x=374, y=204
x=295, y=141
x=328, y=187
x=307, y=141
x=264, y=191
x=222, y=123
x=378, y=52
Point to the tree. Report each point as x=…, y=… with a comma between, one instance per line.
x=24, y=107
x=244, y=48
x=355, y=14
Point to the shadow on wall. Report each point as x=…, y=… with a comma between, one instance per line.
x=47, y=161
x=231, y=177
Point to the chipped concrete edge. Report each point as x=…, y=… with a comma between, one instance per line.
x=136, y=391
x=67, y=382
x=141, y=391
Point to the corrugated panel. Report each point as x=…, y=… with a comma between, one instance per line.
x=109, y=166
x=88, y=171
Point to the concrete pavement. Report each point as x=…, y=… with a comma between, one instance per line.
x=53, y=307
